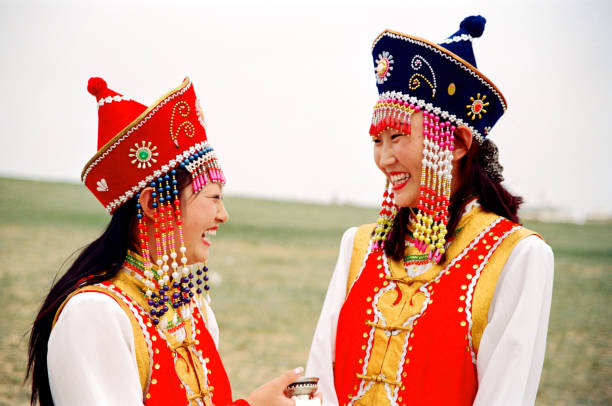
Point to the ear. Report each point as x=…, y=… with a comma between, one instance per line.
x=463, y=142
x=146, y=202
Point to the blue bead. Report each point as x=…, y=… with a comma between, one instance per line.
x=206, y=278
x=182, y=165
x=205, y=269
x=176, y=304
x=199, y=272
x=191, y=285
x=154, y=205
x=166, y=298
x=165, y=309
x=173, y=172
x=175, y=285
x=150, y=302
x=161, y=199
x=153, y=312
x=175, y=295
x=206, y=287
x=153, y=184
x=138, y=206
x=184, y=280
x=155, y=321
x=199, y=291
x=160, y=179
x=190, y=276
x=174, y=182
x=167, y=177
x=175, y=192
x=139, y=215
x=199, y=281
x=154, y=295
x=190, y=294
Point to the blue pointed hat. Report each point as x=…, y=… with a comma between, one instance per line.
x=414, y=73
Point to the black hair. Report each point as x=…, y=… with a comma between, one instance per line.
x=99, y=261
x=476, y=181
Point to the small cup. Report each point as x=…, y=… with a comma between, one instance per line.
x=303, y=388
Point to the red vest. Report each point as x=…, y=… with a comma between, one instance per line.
x=403, y=340
x=197, y=352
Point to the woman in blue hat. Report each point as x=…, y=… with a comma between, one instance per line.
x=445, y=301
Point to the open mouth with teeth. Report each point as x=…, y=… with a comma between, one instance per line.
x=398, y=179
x=209, y=233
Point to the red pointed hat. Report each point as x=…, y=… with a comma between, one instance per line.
x=137, y=145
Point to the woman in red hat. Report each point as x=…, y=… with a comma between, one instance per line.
x=445, y=301
x=129, y=323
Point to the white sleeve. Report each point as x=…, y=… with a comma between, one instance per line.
x=513, y=344
x=91, y=358
x=322, y=352
x=211, y=323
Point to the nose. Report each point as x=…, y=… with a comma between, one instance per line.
x=222, y=214
x=387, y=157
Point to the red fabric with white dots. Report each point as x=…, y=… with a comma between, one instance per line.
x=165, y=387
x=440, y=370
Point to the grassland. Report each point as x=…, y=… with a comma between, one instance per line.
x=273, y=261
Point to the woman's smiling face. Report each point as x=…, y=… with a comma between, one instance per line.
x=399, y=156
x=201, y=214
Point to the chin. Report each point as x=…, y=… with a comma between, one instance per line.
x=406, y=200
x=199, y=255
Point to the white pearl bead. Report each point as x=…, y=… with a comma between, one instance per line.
x=185, y=271
x=183, y=249
x=149, y=293
x=175, y=275
x=166, y=278
x=165, y=268
x=159, y=262
x=173, y=255
x=184, y=260
x=165, y=257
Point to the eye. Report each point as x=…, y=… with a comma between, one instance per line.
x=376, y=140
x=395, y=136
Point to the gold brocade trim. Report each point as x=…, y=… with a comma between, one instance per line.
x=388, y=327
x=141, y=349
x=106, y=146
x=485, y=288
x=450, y=54
x=407, y=280
x=360, y=247
x=378, y=379
x=203, y=393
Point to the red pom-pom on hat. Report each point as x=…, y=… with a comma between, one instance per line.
x=95, y=86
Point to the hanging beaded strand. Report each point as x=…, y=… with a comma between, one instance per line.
x=434, y=188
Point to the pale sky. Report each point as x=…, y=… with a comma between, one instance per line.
x=288, y=87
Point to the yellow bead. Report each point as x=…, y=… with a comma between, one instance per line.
x=421, y=237
x=441, y=250
x=427, y=240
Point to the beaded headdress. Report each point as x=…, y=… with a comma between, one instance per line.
x=441, y=81
x=141, y=147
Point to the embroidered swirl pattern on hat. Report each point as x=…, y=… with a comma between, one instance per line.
x=442, y=82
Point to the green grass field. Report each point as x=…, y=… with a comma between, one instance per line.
x=274, y=260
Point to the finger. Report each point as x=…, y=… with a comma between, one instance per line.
x=289, y=376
